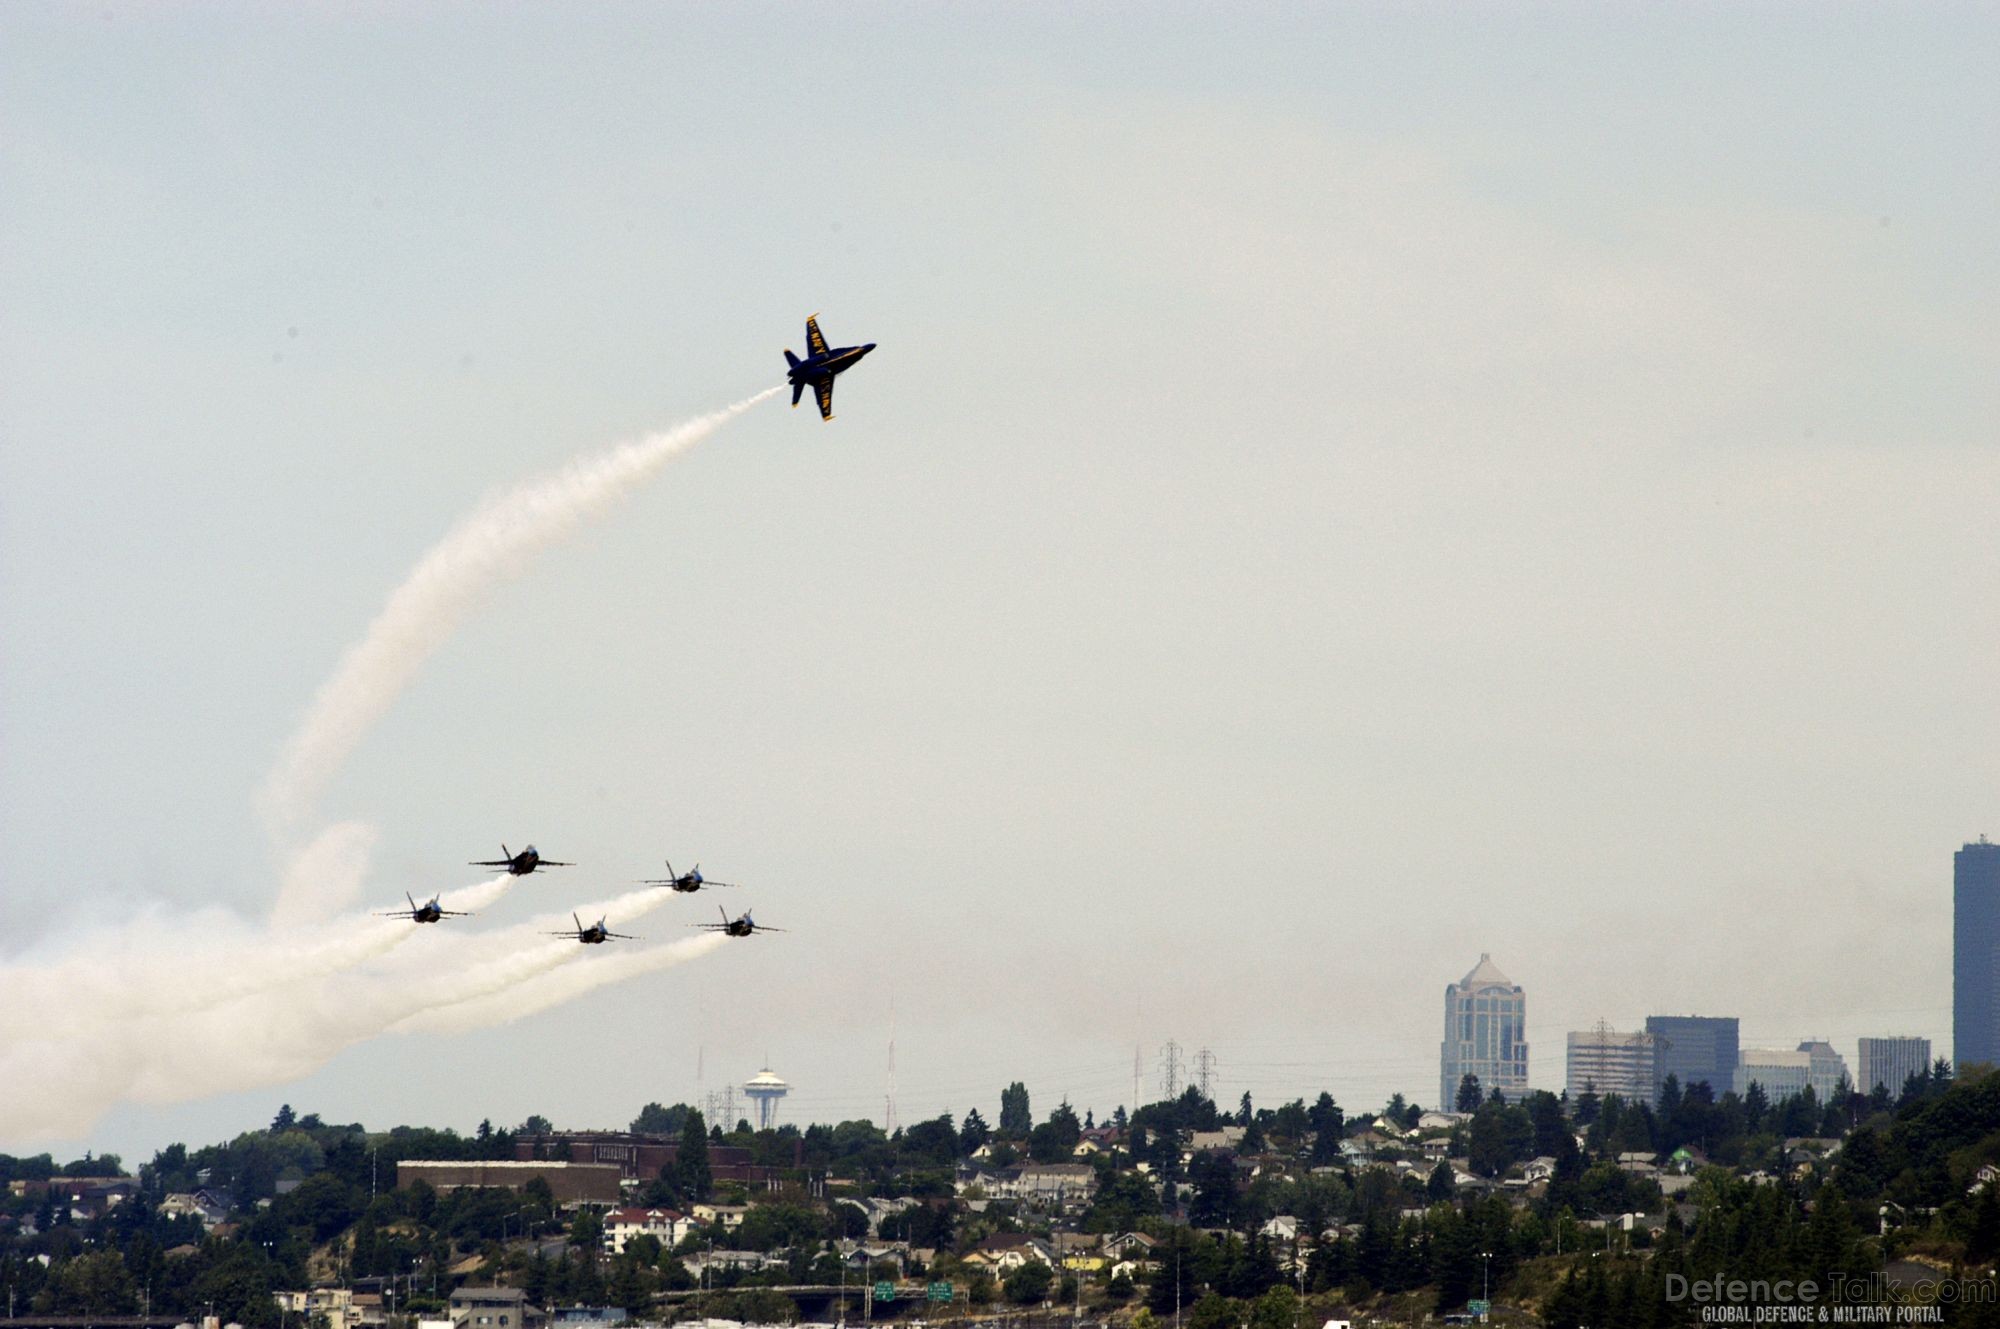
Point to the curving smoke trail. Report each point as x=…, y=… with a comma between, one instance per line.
x=166, y=1009
x=491, y=545
x=553, y=989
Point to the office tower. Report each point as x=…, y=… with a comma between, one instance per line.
x=1975, y=955
x=1780, y=1072
x=1485, y=1034
x=1889, y=1062
x=1694, y=1049
x=1610, y=1062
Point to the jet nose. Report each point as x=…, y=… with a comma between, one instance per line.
x=869, y=347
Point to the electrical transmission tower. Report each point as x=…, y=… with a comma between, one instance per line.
x=1171, y=1070
x=1204, y=1073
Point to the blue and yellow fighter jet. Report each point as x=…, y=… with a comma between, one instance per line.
x=820, y=365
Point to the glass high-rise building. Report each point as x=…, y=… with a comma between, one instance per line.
x=1604, y=1061
x=1485, y=1034
x=1975, y=955
x=1694, y=1049
x=1890, y=1062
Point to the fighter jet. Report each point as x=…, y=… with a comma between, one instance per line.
x=427, y=912
x=594, y=935
x=687, y=882
x=521, y=864
x=820, y=365
x=735, y=927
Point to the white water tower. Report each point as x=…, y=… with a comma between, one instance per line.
x=765, y=1089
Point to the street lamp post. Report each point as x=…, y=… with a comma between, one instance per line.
x=1485, y=1285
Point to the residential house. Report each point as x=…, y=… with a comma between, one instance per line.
x=730, y=1216
x=1282, y=1227
x=1057, y=1181
x=1004, y=1252
x=492, y=1308
x=1134, y=1246
x=1638, y=1163
x=667, y=1226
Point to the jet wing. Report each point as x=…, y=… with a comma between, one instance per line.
x=824, y=391
x=815, y=339
x=552, y=863
x=491, y=863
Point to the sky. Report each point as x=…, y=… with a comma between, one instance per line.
x=1340, y=490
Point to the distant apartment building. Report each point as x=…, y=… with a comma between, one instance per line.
x=570, y=1183
x=1781, y=1073
x=1889, y=1062
x=1975, y=955
x=1610, y=1062
x=1694, y=1049
x=1826, y=1070
x=1485, y=1034
x=639, y=1156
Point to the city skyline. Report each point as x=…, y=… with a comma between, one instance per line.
x=1337, y=492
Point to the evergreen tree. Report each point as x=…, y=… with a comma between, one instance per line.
x=1756, y=1106
x=1469, y=1096
x=1546, y=1113
x=972, y=1132
x=1015, y=1119
x=691, y=1159
x=1327, y=1126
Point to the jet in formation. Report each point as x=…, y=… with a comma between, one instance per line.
x=427, y=912
x=735, y=927
x=687, y=882
x=521, y=864
x=594, y=935
x=816, y=371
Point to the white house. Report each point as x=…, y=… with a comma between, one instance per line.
x=668, y=1226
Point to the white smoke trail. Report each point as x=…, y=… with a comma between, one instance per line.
x=328, y=871
x=493, y=544
x=56, y=1086
x=554, y=989
x=158, y=967
x=166, y=1009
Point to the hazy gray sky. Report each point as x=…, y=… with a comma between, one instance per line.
x=1339, y=491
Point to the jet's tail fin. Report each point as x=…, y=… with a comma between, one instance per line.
x=798, y=389
x=791, y=359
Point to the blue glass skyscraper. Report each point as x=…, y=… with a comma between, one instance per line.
x=1975, y=954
